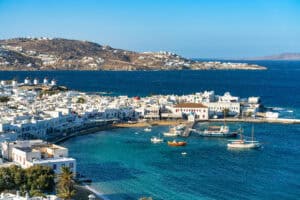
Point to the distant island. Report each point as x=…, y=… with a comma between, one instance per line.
x=283, y=56
x=63, y=54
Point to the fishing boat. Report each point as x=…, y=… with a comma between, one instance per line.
x=244, y=144
x=175, y=143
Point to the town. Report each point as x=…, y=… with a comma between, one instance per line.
x=43, y=110
x=37, y=114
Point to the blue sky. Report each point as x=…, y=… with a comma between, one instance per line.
x=193, y=28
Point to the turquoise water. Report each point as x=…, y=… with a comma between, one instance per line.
x=125, y=165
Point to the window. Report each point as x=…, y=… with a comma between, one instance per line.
x=54, y=167
x=71, y=165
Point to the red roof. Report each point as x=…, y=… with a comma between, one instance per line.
x=190, y=105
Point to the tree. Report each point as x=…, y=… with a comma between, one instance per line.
x=36, y=179
x=80, y=100
x=65, y=185
x=6, y=179
x=4, y=99
x=39, y=179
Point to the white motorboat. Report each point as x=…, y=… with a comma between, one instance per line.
x=148, y=129
x=170, y=134
x=174, y=131
x=156, y=140
x=244, y=144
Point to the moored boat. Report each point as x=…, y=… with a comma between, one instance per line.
x=175, y=143
x=148, y=129
x=171, y=134
x=244, y=144
x=156, y=140
x=217, y=131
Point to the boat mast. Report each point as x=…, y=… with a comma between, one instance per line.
x=252, y=133
x=224, y=113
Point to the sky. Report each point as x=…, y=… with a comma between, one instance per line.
x=192, y=28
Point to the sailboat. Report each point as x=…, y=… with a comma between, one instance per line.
x=244, y=144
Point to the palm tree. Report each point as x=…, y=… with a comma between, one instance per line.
x=65, y=186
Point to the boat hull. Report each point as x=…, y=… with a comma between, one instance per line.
x=220, y=135
x=244, y=146
x=176, y=144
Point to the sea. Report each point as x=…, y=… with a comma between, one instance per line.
x=123, y=164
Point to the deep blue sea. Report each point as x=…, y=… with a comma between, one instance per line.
x=123, y=164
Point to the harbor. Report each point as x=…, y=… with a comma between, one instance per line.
x=130, y=162
x=102, y=130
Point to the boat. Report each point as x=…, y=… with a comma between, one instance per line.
x=156, y=140
x=174, y=131
x=183, y=153
x=244, y=144
x=148, y=129
x=218, y=131
x=171, y=134
x=175, y=143
x=179, y=127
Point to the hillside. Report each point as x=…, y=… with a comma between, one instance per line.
x=64, y=54
x=283, y=56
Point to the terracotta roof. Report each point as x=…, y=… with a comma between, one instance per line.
x=190, y=105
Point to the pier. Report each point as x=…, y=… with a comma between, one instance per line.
x=255, y=120
x=187, y=130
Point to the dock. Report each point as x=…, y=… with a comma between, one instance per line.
x=260, y=120
x=187, y=129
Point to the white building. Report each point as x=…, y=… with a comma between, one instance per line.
x=227, y=97
x=10, y=196
x=35, y=81
x=199, y=110
x=36, y=152
x=27, y=81
x=217, y=108
x=253, y=100
x=53, y=82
